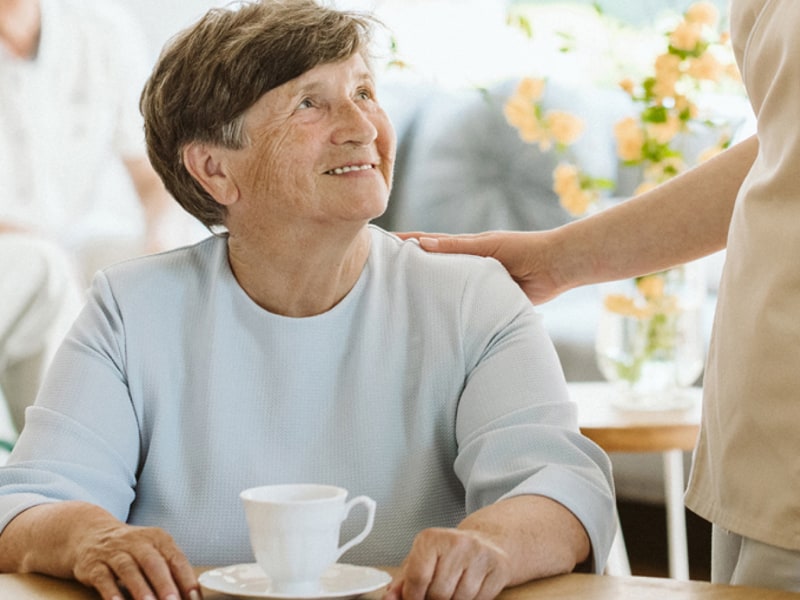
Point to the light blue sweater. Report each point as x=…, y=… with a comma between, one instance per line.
x=431, y=387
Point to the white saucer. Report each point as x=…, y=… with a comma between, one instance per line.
x=341, y=581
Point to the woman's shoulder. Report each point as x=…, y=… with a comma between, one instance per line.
x=461, y=277
x=473, y=293
x=406, y=255
x=171, y=270
x=387, y=246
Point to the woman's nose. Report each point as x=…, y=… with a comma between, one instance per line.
x=353, y=125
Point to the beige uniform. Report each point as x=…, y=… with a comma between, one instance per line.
x=746, y=474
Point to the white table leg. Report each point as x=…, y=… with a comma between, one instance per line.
x=676, y=517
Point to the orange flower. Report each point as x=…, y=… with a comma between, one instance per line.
x=732, y=71
x=564, y=127
x=662, y=170
x=577, y=203
x=663, y=133
x=667, y=73
x=704, y=13
x=620, y=304
x=684, y=105
x=566, y=179
x=686, y=36
x=519, y=113
x=705, y=67
x=667, y=66
x=628, y=86
x=531, y=88
x=517, y=109
x=630, y=139
x=567, y=185
x=664, y=88
x=651, y=286
x=523, y=112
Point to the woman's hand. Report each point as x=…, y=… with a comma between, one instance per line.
x=83, y=541
x=506, y=543
x=144, y=560
x=452, y=563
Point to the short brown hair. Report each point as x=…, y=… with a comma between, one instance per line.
x=209, y=74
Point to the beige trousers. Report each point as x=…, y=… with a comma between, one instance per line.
x=744, y=561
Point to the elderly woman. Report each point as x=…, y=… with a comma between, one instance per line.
x=298, y=344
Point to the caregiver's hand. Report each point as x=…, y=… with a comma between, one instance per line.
x=527, y=256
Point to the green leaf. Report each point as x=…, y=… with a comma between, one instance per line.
x=655, y=114
x=521, y=22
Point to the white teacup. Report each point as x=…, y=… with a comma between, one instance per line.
x=294, y=531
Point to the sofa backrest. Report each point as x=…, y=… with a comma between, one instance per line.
x=462, y=168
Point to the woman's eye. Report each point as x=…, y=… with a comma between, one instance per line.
x=305, y=103
x=365, y=94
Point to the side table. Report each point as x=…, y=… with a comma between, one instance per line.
x=669, y=432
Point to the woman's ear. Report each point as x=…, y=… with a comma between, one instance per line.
x=207, y=165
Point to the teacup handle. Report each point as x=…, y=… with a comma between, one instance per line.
x=369, y=503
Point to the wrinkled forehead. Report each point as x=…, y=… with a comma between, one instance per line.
x=349, y=75
x=353, y=70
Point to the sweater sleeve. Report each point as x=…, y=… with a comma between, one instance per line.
x=81, y=439
x=516, y=428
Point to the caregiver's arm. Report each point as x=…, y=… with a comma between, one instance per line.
x=681, y=220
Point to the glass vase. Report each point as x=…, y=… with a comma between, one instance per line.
x=650, y=339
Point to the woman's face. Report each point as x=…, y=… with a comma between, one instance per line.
x=321, y=151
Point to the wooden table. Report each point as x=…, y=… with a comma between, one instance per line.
x=596, y=587
x=669, y=432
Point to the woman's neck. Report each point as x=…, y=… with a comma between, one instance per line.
x=299, y=276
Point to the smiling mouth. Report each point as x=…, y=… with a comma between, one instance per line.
x=349, y=169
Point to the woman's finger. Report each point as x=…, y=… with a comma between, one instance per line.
x=479, y=584
x=158, y=574
x=101, y=578
x=130, y=575
x=182, y=572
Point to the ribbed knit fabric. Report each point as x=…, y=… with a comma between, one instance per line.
x=431, y=387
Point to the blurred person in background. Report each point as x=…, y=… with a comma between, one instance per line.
x=73, y=164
